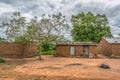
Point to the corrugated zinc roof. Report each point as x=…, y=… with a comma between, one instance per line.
x=77, y=43
x=113, y=40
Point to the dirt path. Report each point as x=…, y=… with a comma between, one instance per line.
x=57, y=68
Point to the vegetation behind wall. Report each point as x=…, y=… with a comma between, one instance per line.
x=47, y=48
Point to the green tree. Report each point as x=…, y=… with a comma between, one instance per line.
x=15, y=26
x=36, y=31
x=50, y=28
x=3, y=40
x=89, y=27
x=54, y=27
x=16, y=30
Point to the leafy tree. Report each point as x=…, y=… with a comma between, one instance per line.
x=3, y=40
x=15, y=26
x=54, y=27
x=51, y=28
x=48, y=29
x=61, y=26
x=89, y=27
x=36, y=31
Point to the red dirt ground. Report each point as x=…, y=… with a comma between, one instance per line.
x=58, y=68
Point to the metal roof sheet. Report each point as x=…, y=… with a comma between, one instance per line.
x=77, y=43
x=114, y=40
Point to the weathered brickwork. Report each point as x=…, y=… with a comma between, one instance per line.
x=93, y=49
x=63, y=50
x=104, y=47
x=78, y=50
x=16, y=49
x=116, y=49
x=109, y=49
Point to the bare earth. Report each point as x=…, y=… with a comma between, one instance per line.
x=58, y=68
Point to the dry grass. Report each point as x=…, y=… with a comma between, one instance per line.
x=58, y=68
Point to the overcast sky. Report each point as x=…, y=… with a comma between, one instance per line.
x=30, y=8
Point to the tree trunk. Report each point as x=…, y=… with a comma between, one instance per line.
x=39, y=51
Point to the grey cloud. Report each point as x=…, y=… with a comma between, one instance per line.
x=96, y=7
x=68, y=7
x=112, y=10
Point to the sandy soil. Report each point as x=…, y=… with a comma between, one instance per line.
x=58, y=68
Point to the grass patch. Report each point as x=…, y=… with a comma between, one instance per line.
x=2, y=60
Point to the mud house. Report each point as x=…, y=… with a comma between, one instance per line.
x=109, y=46
x=75, y=49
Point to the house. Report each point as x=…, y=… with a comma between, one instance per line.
x=109, y=46
x=76, y=49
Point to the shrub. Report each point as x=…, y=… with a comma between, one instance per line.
x=47, y=48
x=48, y=52
x=2, y=60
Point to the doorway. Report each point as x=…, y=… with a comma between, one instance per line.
x=86, y=50
x=72, y=50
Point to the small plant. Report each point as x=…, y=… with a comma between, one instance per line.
x=2, y=60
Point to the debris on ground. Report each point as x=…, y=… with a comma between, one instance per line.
x=105, y=66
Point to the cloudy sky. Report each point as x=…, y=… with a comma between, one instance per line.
x=30, y=8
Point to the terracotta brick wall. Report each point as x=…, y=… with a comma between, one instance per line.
x=78, y=50
x=15, y=49
x=104, y=47
x=63, y=50
x=116, y=49
x=93, y=49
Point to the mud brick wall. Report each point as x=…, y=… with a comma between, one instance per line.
x=116, y=49
x=104, y=48
x=78, y=50
x=63, y=50
x=16, y=49
x=93, y=49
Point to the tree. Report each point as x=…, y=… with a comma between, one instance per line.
x=15, y=26
x=61, y=26
x=48, y=29
x=89, y=27
x=54, y=27
x=3, y=40
x=35, y=29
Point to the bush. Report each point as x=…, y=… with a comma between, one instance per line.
x=2, y=60
x=3, y=40
x=48, y=53
x=47, y=48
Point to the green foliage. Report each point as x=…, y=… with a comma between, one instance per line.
x=48, y=52
x=89, y=27
x=15, y=26
x=3, y=40
x=2, y=60
x=47, y=48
